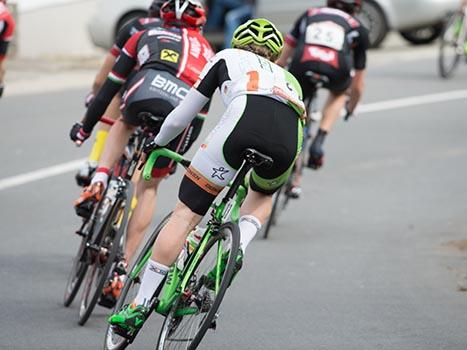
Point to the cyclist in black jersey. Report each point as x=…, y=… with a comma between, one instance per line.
x=330, y=42
x=168, y=61
x=83, y=177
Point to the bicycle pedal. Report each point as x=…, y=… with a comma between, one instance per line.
x=121, y=332
x=213, y=325
x=107, y=301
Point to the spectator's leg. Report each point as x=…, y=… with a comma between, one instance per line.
x=216, y=12
x=233, y=19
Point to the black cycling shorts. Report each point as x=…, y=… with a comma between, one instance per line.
x=339, y=79
x=250, y=121
x=158, y=93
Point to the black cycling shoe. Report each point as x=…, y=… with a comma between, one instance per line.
x=113, y=288
x=294, y=192
x=315, y=161
x=84, y=209
x=84, y=175
x=92, y=194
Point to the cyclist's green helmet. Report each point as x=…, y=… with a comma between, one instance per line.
x=261, y=32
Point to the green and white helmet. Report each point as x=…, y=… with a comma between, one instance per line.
x=261, y=32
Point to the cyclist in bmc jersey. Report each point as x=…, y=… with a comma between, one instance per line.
x=7, y=27
x=173, y=55
x=264, y=110
x=83, y=177
x=329, y=42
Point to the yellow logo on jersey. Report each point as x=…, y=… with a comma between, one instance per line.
x=169, y=55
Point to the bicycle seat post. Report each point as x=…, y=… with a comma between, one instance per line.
x=252, y=158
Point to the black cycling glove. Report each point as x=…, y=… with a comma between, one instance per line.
x=77, y=134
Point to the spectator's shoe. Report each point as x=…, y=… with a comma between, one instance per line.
x=85, y=173
x=90, y=196
x=129, y=319
x=210, y=278
x=113, y=288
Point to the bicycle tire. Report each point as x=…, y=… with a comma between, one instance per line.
x=446, y=71
x=87, y=305
x=80, y=263
x=112, y=340
x=76, y=275
x=272, y=220
x=233, y=231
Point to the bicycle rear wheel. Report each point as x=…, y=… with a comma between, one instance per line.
x=452, y=45
x=196, y=309
x=107, y=242
x=113, y=341
x=80, y=262
x=272, y=220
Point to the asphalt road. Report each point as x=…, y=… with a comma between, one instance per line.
x=365, y=260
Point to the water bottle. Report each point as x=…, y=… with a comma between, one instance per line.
x=194, y=237
x=180, y=263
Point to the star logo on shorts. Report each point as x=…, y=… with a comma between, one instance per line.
x=219, y=173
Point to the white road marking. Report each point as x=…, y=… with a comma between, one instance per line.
x=412, y=101
x=63, y=168
x=40, y=174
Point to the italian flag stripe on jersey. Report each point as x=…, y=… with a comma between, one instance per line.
x=116, y=78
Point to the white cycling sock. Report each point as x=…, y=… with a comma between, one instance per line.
x=249, y=226
x=152, y=278
x=100, y=176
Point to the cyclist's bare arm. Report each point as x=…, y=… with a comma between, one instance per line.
x=291, y=40
x=101, y=76
x=356, y=90
x=287, y=52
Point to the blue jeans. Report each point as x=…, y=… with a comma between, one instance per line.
x=233, y=19
x=237, y=13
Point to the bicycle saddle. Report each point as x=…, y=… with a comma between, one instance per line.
x=150, y=120
x=317, y=79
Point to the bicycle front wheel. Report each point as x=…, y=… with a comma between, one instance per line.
x=452, y=45
x=113, y=341
x=77, y=273
x=196, y=310
x=103, y=257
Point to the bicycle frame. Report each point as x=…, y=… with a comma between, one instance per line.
x=228, y=209
x=463, y=32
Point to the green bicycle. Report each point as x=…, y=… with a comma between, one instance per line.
x=194, y=288
x=453, y=43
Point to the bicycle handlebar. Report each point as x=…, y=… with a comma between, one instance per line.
x=162, y=152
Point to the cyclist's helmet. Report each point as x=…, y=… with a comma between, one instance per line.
x=154, y=10
x=349, y=6
x=187, y=13
x=261, y=32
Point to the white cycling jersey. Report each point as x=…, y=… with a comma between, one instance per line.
x=238, y=72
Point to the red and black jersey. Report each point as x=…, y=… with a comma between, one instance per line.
x=7, y=27
x=328, y=34
x=131, y=28
x=182, y=52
